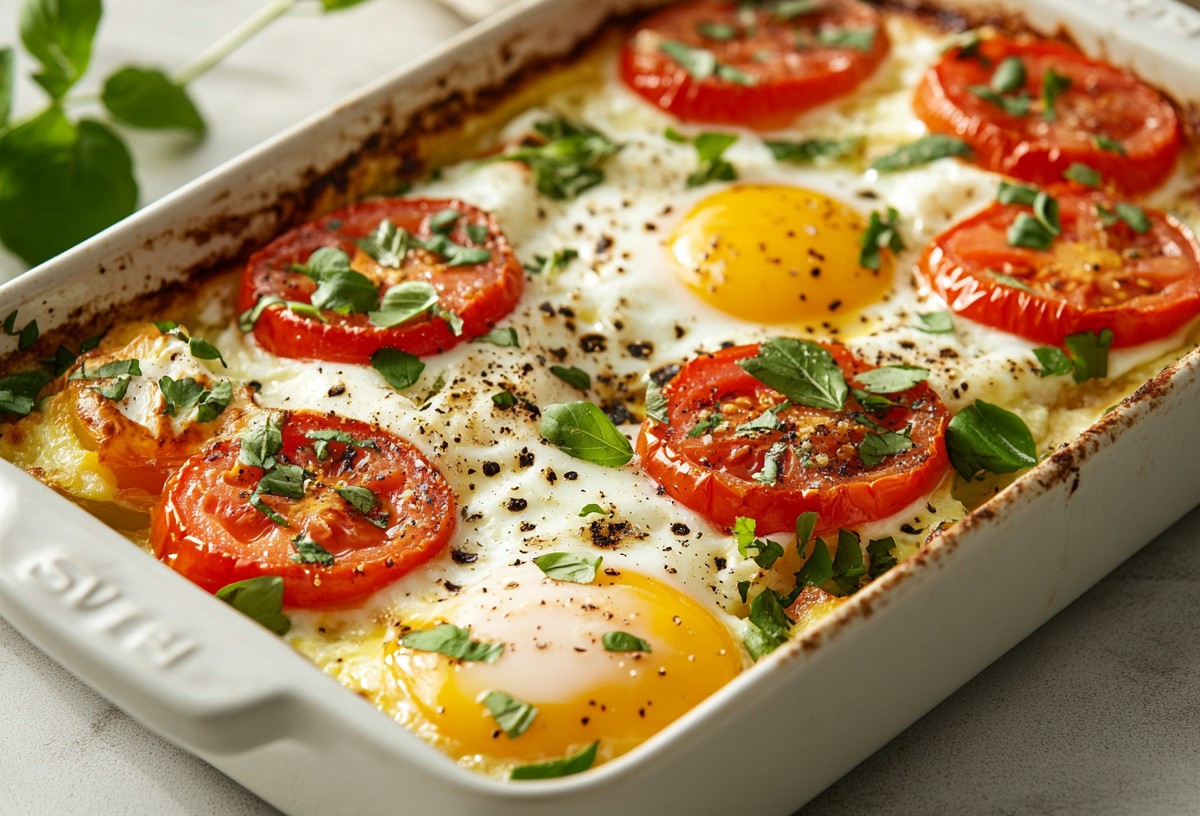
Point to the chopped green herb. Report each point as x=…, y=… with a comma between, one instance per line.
x=260, y=599
x=26, y=383
x=768, y=420
x=61, y=362
x=1131, y=214
x=569, y=567
x=572, y=376
x=763, y=551
x=875, y=447
x=555, y=262
x=403, y=302
x=983, y=436
x=860, y=39
x=258, y=504
x=308, y=551
x=700, y=63
x=1010, y=281
x=922, y=151
x=769, y=473
x=262, y=439
x=582, y=430
x=1089, y=352
x=768, y=617
x=512, y=715
x=444, y=220
x=115, y=390
x=1111, y=145
x=801, y=370
x=283, y=480
x=503, y=399
x=362, y=500
x=248, y=318
x=936, y=323
x=213, y=402
x=656, y=403
x=178, y=394
x=505, y=338
x=810, y=150
x=892, y=379
x=709, y=149
x=477, y=233
x=116, y=368
x=743, y=588
x=722, y=32
x=1082, y=174
x=1053, y=84
x=323, y=261
x=1009, y=75
x=790, y=9
x=569, y=163
x=1012, y=105
x=447, y=639
x=817, y=569
x=1024, y=194
x=624, y=642
x=589, y=509
x=1045, y=209
x=881, y=234
x=882, y=558
x=848, y=562
x=399, y=368
x=387, y=245
x=18, y=404
x=558, y=767
x=1027, y=231
x=1054, y=361
x=203, y=350
x=453, y=254
x=707, y=425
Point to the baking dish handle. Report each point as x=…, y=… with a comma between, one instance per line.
x=110, y=614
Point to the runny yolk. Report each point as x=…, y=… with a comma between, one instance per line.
x=779, y=255
x=554, y=659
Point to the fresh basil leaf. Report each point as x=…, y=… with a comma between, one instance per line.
x=61, y=362
x=1024, y=194
x=116, y=368
x=801, y=370
x=707, y=425
x=477, y=233
x=882, y=559
x=59, y=34
x=323, y=261
x=1089, y=352
x=572, y=376
x=213, y=402
x=1131, y=214
x=260, y=599
x=26, y=383
x=770, y=469
x=1009, y=75
x=589, y=509
x=7, y=78
x=743, y=588
x=936, y=323
x=656, y=403
x=258, y=504
x=360, y=498
x=346, y=291
x=148, y=98
x=404, y=301
x=558, y=767
x=1027, y=231
x=735, y=75
x=1053, y=361
x=399, y=368
x=768, y=616
x=874, y=403
x=860, y=39
x=321, y=440
x=453, y=321
x=248, y=318
x=447, y=639
x=582, y=430
x=810, y=150
x=18, y=404
x=1012, y=105
x=791, y=9
x=983, y=436
x=1111, y=145
x=569, y=567
x=386, y=244
x=848, y=562
x=1053, y=84
x=10, y=323
x=61, y=183
x=881, y=234
x=444, y=220
x=721, y=32
x=308, y=551
x=115, y=390
x=758, y=644
x=1010, y=281
x=874, y=448
x=700, y=63
x=1082, y=174
x=29, y=334
x=569, y=163
x=438, y=384
x=503, y=399
x=165, y=326
x=512, y=715
x=806, y=524
x=817, y=569
x=505, y=338
x=923, y=151
x=283, y=480
x=1045, y=209
x=555, y=262
x=262, y=439
x=768, y=420
x=183, y=393
x=203, y=350
x=892, y=379
x=624, y=642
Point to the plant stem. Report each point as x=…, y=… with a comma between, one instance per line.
x=227, y=44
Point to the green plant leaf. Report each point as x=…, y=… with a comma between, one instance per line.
x=61, y=183
x=1017, y=193
x=555, y=262
x=1089, y=352
x=656, y=403
x=262, y=439
x=147, y=98
x=503, y=399
x=558, y=767
x=570, y=162
x=449, y=640
x=1111, y=145
x=624, y=642
x=875, y=447
x=582, y=430
x=308, y=551
x=589, y=509
x=1083, y=174
x=983, y=436
x=505, y=338
x=338, y=5
x=936, y=323
x=386, y=244
x=881, y=233
x=7, y=80
x=26, y=383
x=801, y=370
x=399, y=368
x=18, y=404
x=892, y=379
x=770, y=469
x=59, y=35
x=848, y=562
x=283, y=480
x=573, y=376
x=1009, y=75
x=403, y=302
x=213, y=402
x=1053, y=84
x=817, y=569
x=1012, y=105
x=922, y=151
x=810, y=150
x=182, y=393
x=860, y=39
x=260, y=599
x=512, y=715
x=882, y=559
x=1027, y=231
x=569, y=567
x=1054, y=361
x=115, y=390
x=346, y=291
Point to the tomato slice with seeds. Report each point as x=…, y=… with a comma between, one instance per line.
x=768, y=68
x=1099, y=273
x=1106, y=118
x=480, y=294
x=206, y=528
x=820, y=468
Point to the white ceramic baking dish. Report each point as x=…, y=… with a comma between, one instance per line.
x=217, y=684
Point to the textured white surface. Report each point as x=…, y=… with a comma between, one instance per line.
x=1095, y=713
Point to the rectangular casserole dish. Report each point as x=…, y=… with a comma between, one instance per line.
x=214, y=683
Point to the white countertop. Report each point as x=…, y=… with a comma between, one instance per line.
x=1097, y=713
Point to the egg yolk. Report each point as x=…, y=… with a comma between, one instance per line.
x=780, y=255
x=555, y=660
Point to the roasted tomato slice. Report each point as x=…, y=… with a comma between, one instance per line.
x=820, y=466
x=133, y=435
x=756, y=66
x=1099, y=273
x=207, y=528
x=1104, y=118
x=480, y=293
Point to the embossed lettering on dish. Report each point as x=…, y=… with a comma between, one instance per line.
x=100, y=606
